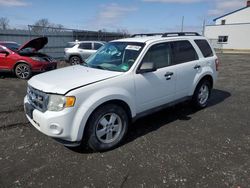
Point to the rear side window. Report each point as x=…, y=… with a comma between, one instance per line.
x=97, y=46
x=87, y=46
x=204, y=47
x=183, y=51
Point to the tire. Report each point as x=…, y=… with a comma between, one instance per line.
x=23, y=71
x=75, y=60
x=106, y=127
x=202, y=94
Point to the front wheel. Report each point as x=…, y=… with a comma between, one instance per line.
x=107, y=127
x=23, y=71
x=202, y=94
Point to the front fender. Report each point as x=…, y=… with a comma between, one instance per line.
x=94, y=101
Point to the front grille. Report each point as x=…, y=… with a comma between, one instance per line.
x=37, y=99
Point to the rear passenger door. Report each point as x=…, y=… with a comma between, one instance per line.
x=187, y=66
x=86, y=49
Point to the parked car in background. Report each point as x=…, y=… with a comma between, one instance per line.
x=25, y=60
x=78, y=51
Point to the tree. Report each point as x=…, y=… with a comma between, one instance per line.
x=43, y=23
x=4, y=23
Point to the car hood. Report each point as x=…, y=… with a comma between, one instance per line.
x=62, y=80
x=37, y=43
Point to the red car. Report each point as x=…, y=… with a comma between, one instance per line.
x=25, y=60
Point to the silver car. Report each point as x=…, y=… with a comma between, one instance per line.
x=76, y=52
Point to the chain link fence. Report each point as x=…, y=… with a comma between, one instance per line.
x=57, y=37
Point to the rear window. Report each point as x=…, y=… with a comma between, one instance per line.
x=183, y=51
x=204, y=47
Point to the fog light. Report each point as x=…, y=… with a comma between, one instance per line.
x=55, y=129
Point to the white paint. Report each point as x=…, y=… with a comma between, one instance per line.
x=238, y=35
x=237, y=28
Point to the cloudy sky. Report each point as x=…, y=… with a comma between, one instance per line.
x=133, y=15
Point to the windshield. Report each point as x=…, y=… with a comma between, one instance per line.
x=12, y=46
x=115, y=56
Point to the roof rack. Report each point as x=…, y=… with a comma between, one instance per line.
x=177, y=34
x=146, y=34
x=172, y=34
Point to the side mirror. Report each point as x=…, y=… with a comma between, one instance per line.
x=147, y=67
x=4, y=52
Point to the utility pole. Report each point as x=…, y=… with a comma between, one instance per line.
x=203, y=27
x=182, y=24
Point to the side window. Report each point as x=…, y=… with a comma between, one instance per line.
x=222, y=39
x=204, y=47
x=97, y=46
x=183, y=51
x=159, y=54
x=86, y=46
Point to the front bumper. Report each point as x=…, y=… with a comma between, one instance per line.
x=54, y=124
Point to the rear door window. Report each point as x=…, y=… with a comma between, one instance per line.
x=204, y=47
x=183, y=51
x=86, y=46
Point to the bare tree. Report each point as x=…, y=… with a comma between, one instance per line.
x=124, y=32
x=4, y=23
x=43, y=23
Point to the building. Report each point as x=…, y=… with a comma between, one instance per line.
x=231, y=31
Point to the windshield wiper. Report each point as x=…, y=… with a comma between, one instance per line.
x=101, y=67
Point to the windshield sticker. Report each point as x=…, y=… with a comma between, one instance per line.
x=132, y=47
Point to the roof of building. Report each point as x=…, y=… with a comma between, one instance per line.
x=230, y=13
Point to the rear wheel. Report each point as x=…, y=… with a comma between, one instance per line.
x=107, y=127
x=202, y=94
x=75, y=60
x=23, y=71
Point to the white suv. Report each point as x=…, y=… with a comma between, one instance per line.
x=124, y=80
x=78, y=51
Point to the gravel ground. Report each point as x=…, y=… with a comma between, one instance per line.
x=177, y=147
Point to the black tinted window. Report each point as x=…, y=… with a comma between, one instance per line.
x=159, y=54
x=97, y=46
x=204, y=47
x=87, y=46
x=222, y=39
x=183, y=51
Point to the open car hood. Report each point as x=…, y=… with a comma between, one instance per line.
x=37, y=43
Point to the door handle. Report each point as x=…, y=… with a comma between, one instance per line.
x=168, y=75
x=197, y=67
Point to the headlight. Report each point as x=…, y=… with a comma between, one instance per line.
x=35, y=58
x=59, y=102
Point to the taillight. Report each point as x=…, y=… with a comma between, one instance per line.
x=217, y=64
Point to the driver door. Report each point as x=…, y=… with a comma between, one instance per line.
x=157, y=88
